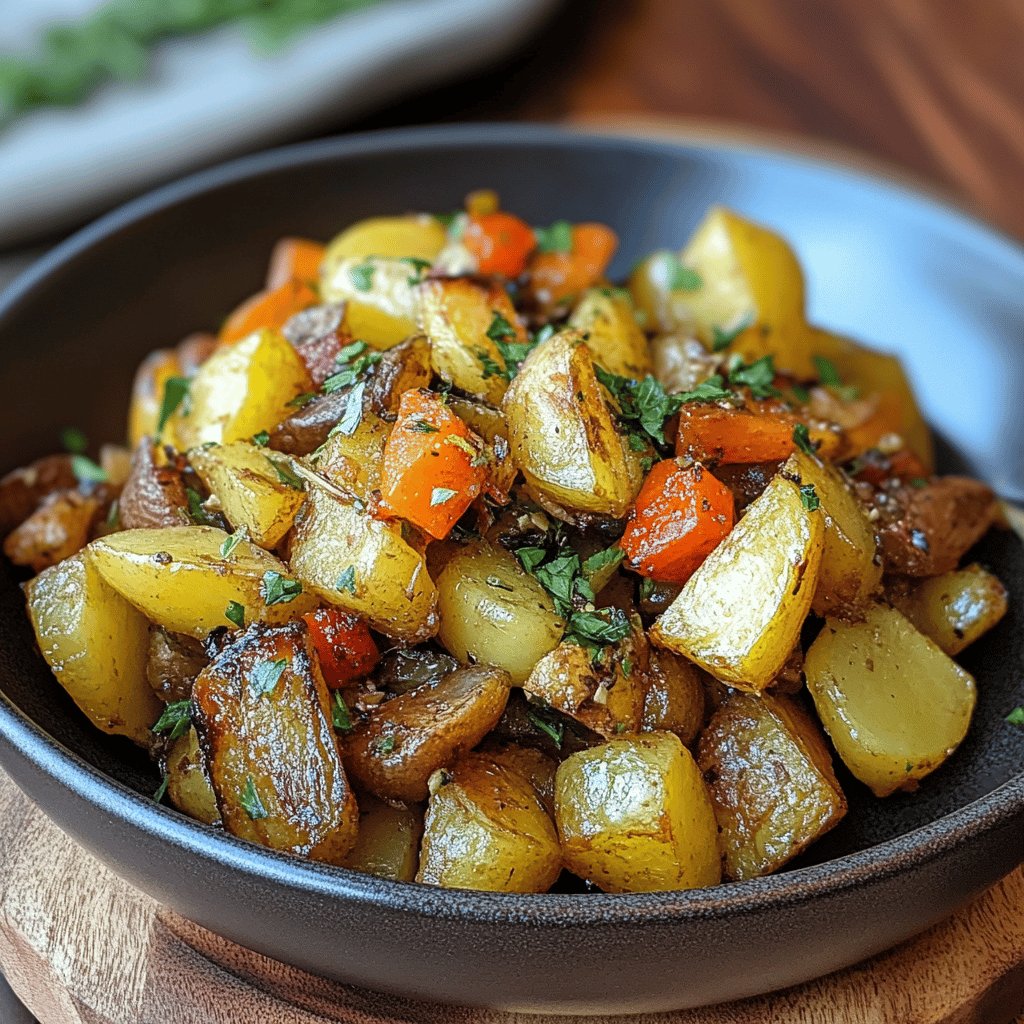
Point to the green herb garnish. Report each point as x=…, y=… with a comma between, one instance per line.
x=595, y=630
x=439, y=495
x=422, y=427
x=757, y=376
x=643, y=406
x=235, y=613
x=802, y=439
x=286, y=474
x=809, y=498
x=251, y=802
x=261, y=439
x=681, y=278
x=711, y=390
x=546, y=723
x=175, y=720
x=74, y=440
x=86, y=471
x=278, y=589
x=347, y=580
x=233, y=540
x=196, y=510
x=161, y=790
x=556, y=238
x=1016, y=717
x=383, y=745
x=340, y=716
x=265, y=675
x=722, y=338
x=176, y=393
x=362, y=276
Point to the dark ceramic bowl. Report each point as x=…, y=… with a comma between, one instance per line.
x=893, y=267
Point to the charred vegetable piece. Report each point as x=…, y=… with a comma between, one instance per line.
x=185, y=578
x=895, y=706
x=740, y=613
x=633, y=815
x=268, y=310
x=388, y=844
x=407, y=668
x=674, y=699
x=434, y=465
x=95, y=642
x=401, y=744
x=681, y=515
x=771, y=782
x=486, y=828
x=343, y=644
x=154, y=494
x=22, y=490
x=406, y=367
x=57, y=529
x=263, y=717
x=172, y=663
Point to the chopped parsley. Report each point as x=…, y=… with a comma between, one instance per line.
x=278, y=589
x=176, y=393
x=1016, y=717
x=439, y=495
x=643, y=406
x=422, y=427
x=347, y=580
x=598, y=629
x=711, y=390
x=197, y=511
x=301, y=400
x=286, y=474
x=547, y=722
x=419, y=269
x=556, y=238
x=251, y=802
x=512, y=352
x=602, y=559
x=383, y=745
x=175, y=720
x=802, y=439
x=235, y=613
x=261, y=439
x=681, y=278
x=353, y=414
x=161, y=790
x=340, y=716
x=809, y=498
x=265, y=675
x=722, y=338
x=86, y=471
x=500, y=329
x=829, y=377
x=74, y=440
x=233, y=540
x=757, y=376
x=361, y=276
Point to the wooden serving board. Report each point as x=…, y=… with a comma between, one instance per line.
x=80, y=946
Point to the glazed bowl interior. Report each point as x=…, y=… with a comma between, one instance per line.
x=889, y=266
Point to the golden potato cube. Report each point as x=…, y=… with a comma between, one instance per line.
x=894, y=704
x=674, y=700
x=486, y=828
x=354, y=460
x=956, y=608
x=395, y=750
x=489, y=424
x=607, y=319
x=255, y=487
x=179, y=578
x=493, y=613
x=562, y=432
x=262, y=713
x=380, y=294
x=419, y=236
x=634, y=815
x=148, y=393
x=388, y=844
x=240, y=390
x=358, y=563
x=459, y=316
x=96, y=644
x=188, y=785
x=740, y=614
x=851, y=569
x=771, y=782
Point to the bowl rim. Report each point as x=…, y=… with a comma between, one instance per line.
x=44, y=755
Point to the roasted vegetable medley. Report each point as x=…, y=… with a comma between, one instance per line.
x=448, y=560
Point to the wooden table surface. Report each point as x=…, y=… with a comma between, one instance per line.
x=935, y=87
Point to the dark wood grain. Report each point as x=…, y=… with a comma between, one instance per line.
x=933, y=86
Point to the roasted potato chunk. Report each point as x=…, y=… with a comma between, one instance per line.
x=417, y=236
x=381, y=300
x=402, y=743
x=257, y=489
x=388, y=844
x=533, y=764
x=893, y=703
x=486, y=828
x=851, y=568
x=188, y=785
x=179, y=578
x=95, y=642
x=240, y=390
x=54, y=531
x=489, y=424
x=464, y=320
x=674, y=699
x=771, y=782
x=608, y=322
x=173, y=661
x=494, y=613
x=353, y=461
x=562, y=432
x=633, y=815
x=740, y=613
x=954, y=609
x=262, y=713
x=22, y=490
x=406, y=367
x=154, y=494
x=362, y=565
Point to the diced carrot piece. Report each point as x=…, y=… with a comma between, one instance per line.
x=500, y=243
x=680, y=516
x=267, y=310
x=713, y=433
x=557, y=275
x=344, y=645
x=294, y=259
x=434, y=466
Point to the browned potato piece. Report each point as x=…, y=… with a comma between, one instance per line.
x=154, y=493
x=188, y=785
x=956, y=608
x=607, y=698
x=607, y=319
x=674, y=701
x=354, y=461
x=405, y=367
x=486, y=828
x=771, y=782
x=402, y=743
x=388, y=844
x=533, y=764
x=53, y=532
x=634, y=815
x=262, y=711
x=173, y=663
x=490, y=425
x=23, y=489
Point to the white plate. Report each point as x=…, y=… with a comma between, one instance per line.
x=210, y=96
